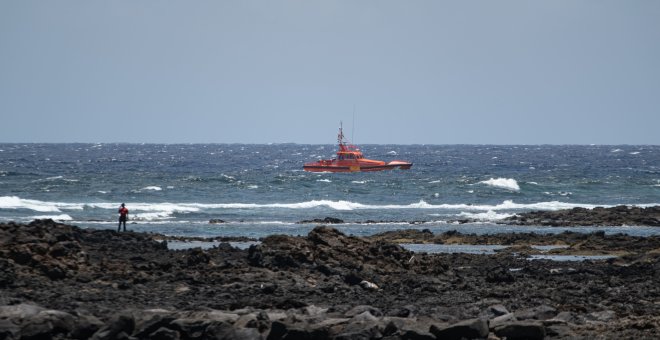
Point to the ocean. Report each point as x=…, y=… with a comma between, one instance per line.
x=259, y=190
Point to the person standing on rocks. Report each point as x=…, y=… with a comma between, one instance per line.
x=123, y=216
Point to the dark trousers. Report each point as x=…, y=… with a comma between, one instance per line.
x=122, y=219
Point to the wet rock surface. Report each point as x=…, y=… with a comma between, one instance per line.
x=599, y=216
x=568, y=242
x=327, y=220
x=62, y=282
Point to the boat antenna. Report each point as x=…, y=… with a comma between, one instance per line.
x=353, y=125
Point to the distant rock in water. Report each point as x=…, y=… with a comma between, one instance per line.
x=599, y=216
x=327, y=220
x=216, y=221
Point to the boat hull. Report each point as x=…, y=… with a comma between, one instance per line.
x=318, y=167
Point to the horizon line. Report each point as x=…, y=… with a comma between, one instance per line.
x=296, y=143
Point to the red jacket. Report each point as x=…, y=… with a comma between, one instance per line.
x=123, y=212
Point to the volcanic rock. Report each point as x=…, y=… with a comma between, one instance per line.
x=128, y=285
x=327, y=220
x=599, y=216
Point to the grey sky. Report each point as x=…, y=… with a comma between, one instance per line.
x=430, y=72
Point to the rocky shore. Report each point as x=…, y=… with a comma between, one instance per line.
x=598, y=216
x=62, y=282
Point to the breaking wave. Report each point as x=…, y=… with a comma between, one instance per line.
x=13, y=202
x=504, y=183
x=155, y=212
x=489, y=215
x=161, y=210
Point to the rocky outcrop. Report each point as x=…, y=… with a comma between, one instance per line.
x=567, y=242
x=25, y=321
x=63, y=282
x=599, y=216
x=327, y=220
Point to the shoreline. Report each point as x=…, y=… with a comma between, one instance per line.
x=598, y=216
x=64, y=282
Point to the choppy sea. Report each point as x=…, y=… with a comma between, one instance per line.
x=258, y=190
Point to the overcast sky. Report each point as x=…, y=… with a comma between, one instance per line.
x=417, y=72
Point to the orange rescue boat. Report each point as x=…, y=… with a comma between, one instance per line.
x=350, y=159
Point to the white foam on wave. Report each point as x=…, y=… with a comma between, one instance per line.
x=253, y=223
x=138, y=211
x=489, y=215
x=152, y=188
x=635, y=153
x=504, y=183
x=163, y=211
x=54, y=178
x=152, y=216
x=616, y=150
x=347, y=205
x=324, y=180
x=337, y=205
x=13, y=202
x=155, y=211
x=510, y=205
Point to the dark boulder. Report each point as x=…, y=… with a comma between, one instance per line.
x=37, y=329
x=8, y=330
x=327, y=220
x=467, y=329
x=7, y=273
x=499, y=275
x=118, y=325
x=520, y=330
x=146, y=327
x=86, y=326
x=198, y=256
x=416, y=334
x=164, y=334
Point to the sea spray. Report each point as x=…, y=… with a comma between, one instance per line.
x=504, y=183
